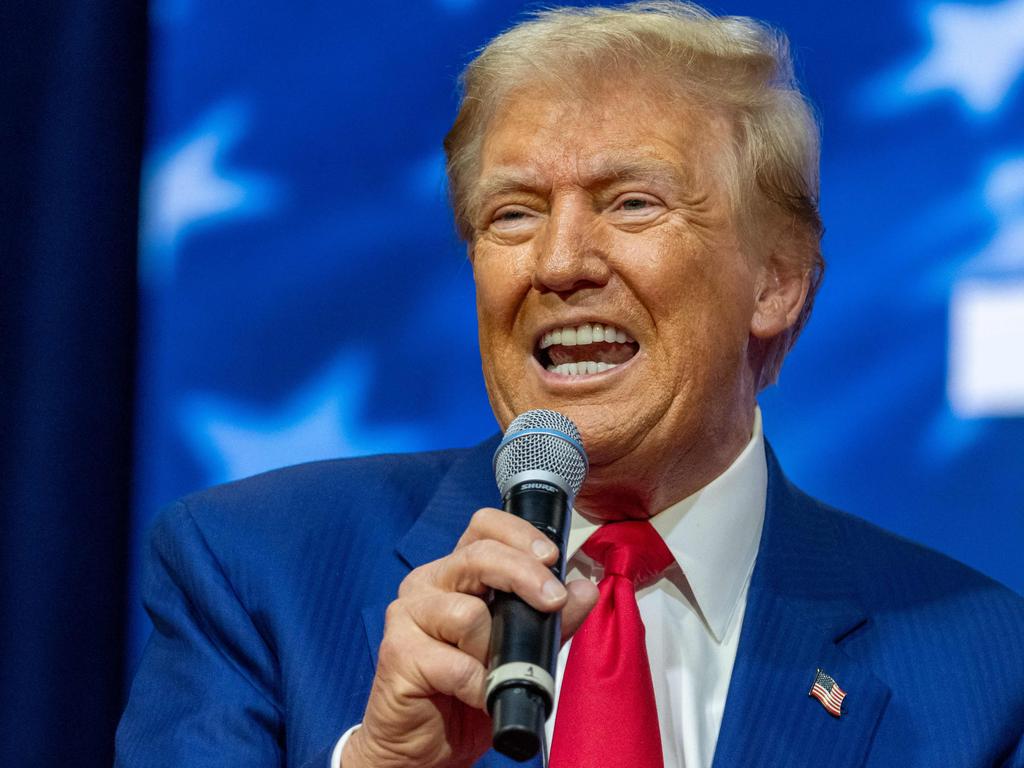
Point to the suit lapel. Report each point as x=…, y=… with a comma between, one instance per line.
x=465, y=487
x=801, y=608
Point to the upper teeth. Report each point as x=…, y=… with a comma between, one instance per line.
x=587, y=333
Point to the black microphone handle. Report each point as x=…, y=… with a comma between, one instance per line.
x=524, y=641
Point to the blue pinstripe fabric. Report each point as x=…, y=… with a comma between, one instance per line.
x=268, y=595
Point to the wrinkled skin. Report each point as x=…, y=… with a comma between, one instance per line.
x=616, y=208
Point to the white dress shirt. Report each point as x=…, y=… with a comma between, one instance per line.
x=694, y=613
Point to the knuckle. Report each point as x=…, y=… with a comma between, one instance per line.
x=482, y=551
x=480, y=518
x=415, y=580
x=394, y=614
x=466, y=613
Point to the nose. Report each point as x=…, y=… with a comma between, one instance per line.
x=569, y=257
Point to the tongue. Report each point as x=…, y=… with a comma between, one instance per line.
x=599, y=352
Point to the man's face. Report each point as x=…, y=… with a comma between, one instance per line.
x=612, y=211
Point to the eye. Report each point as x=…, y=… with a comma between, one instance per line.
x=511, y=217
x=634, y=203
x=636, y=206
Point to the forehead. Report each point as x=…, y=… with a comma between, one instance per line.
x=636, y=127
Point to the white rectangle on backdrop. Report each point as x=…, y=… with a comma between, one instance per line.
x=986, y=349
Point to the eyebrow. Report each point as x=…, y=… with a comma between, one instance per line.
x=611, y=169
x=603, y=173
x=502, y=182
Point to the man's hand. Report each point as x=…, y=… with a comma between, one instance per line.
x=426, y=706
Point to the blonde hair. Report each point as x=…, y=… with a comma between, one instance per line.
x=731, y=63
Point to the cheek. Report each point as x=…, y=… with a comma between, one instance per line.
x=501, y=281
x=700, y=299
x=500, y=291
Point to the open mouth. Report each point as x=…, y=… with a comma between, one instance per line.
x=585, y=349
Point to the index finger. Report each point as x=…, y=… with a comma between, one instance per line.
x=498, y=525
x=490, y=564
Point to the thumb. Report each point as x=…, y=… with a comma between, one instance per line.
x=582, y=597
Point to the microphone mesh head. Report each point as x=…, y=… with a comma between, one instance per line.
x=541, y=440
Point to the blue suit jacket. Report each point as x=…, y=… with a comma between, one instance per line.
x=268, y=598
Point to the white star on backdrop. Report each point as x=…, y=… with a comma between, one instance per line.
x=322, y=419
x=977, y=52
x=187, y=185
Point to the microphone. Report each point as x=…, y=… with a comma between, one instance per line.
x=539, y=466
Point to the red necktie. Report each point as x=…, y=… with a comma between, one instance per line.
x=606, y=716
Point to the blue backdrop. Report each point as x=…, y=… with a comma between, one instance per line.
x=71, y=135
x=304, y=295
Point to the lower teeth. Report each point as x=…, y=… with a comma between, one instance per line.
x=580, y=369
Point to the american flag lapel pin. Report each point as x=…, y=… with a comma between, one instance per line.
x=826, y=690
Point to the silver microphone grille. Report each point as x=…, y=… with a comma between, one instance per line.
x=541, y=440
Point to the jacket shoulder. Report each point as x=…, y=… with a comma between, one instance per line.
x=256, y=590
x=326, y=492
x=321, y=510
x=899, y=566
x=909, y=588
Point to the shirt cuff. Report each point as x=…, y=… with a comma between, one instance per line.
x=336, y=754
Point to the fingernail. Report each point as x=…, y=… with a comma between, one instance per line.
x=543, y=548
x=553, y=590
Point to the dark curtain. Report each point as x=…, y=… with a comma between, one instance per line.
x=73, y=77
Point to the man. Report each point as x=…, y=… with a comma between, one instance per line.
x=637, y=188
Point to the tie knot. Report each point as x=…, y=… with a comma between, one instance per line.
x=631, y=548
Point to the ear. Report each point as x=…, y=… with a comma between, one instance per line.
x=780, y=295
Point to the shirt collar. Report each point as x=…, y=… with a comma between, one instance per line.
x=713, y=533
